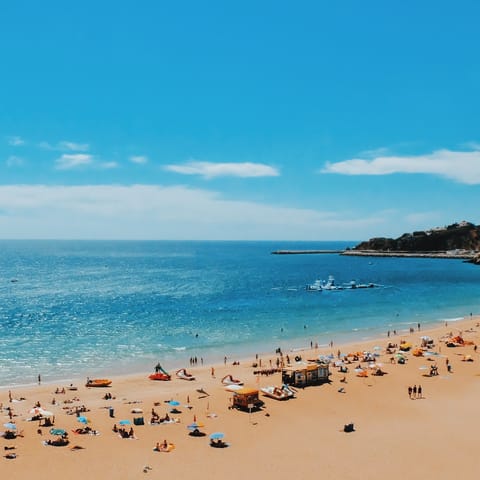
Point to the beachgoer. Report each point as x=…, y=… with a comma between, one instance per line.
x=414, y=391
x=419, y=391
x=410, y=392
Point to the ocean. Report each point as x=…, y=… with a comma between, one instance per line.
x=71, y=309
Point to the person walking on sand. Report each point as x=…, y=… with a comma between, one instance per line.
x=213, y=372
x=410, y=392
x=414, y=391
x=419, y=391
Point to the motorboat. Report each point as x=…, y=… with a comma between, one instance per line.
x=278, y=393
x=98, y=382
x=182, y=373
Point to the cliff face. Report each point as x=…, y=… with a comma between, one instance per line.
x=458, y=236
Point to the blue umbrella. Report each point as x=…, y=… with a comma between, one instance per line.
x=195, y=425
x=217, y=435
x=125, y=422
x=82, y=419
x=10, y=426
x=174, y=403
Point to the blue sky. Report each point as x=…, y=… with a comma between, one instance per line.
x=310, y=120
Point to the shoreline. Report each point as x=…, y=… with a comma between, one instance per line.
x=240, y=353
x=349, y=340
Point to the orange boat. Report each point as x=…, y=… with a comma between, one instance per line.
x=159, y=376
x=98, y=382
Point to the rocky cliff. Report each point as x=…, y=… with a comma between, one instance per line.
x=458, y=236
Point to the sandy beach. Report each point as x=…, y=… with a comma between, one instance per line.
x=396, y=436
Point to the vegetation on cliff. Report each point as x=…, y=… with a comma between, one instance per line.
x=458, y=236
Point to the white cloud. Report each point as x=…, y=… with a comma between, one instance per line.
x=65, y=146
x=463, y=167
x=79, y=147
x=139, y=159
x=211, y=170
x=16, y=141
x=68, y=161
x=14, y=161
x=108, y=165
x=156, y=212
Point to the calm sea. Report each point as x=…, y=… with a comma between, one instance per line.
x=69, y=309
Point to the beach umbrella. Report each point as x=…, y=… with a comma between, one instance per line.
x=10, y=426
x=82, y=419
x=174, y=403
x=217, y=435
x=125, y=422
x=195, y=425
x=57, y=431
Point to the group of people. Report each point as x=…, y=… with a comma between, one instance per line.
x=123, y=432
x=156, y=418
x=162, y=447
x=415, y=392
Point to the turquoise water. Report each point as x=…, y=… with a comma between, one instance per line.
x=69, y=309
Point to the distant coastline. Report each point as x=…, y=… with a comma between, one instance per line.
x=305, y=252
x=376, y=253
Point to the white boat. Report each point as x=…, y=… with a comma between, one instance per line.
x=229, y=380
x=182, y=373
x=319, y=285
x=278, y=393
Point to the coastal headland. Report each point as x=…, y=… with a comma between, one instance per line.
x=431, y=433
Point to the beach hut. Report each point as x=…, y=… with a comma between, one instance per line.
x=303, y=375
x=246, y=399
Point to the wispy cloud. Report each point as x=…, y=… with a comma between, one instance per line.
x=139, y=159
x=65, y=146
x=157, y=212
x=212, y=170
x=16, y=141
x=68, y=161
x=14, y=161
x=108, y=165
x=463, y=167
